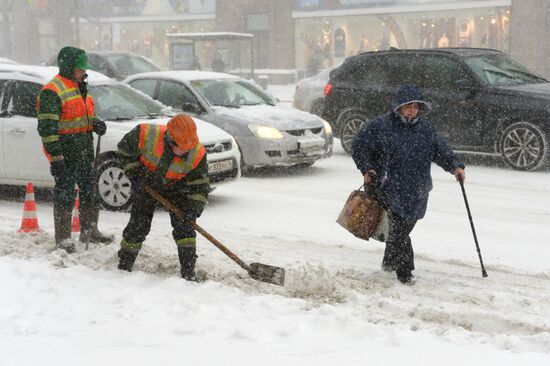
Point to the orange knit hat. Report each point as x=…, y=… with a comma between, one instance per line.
x=183, y=131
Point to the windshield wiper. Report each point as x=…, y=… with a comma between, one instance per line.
x=228, y=105
x=120, y=118
x=528, y=74
x=511, y=78
x=252, y=103
x=149, y=116
x=500, y=72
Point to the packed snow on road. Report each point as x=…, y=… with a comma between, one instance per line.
x=337, y=305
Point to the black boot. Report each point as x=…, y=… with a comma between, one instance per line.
x=188, y=258
x=388, y=262
x=89, y=231
x=62, y=226
x=127, y=258
x=405, y=276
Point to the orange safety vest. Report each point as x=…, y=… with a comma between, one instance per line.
x=76, y=114
x=151, y=146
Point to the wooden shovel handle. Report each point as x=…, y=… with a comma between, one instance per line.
x=172, y=208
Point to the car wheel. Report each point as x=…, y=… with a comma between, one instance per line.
x=309, y=164
x=349, y=128
x=113, y=187
x=524, y=146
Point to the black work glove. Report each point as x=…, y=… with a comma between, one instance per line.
x=141, y=178
x=99, y=127
x=190, y=215
x=58, y=169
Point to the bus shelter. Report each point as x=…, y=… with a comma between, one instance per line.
x=203, y=51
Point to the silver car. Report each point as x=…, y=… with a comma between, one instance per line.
x=116, y=65
x=309, y=94
x=267, y=134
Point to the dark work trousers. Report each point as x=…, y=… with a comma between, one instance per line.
x=79, y=172
x=141, y=216
x=402, y=255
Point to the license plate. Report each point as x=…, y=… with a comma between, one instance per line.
x=308, y=146
x=220, y=166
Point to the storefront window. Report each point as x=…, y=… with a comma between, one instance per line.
x=329, y=40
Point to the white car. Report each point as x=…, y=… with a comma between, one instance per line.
x=267, y=134
x=119, y=105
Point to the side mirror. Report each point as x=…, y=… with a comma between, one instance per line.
x=191, y=108
x=464, y=84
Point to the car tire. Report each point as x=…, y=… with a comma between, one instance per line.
x=349, y=128
x=307, y=165
x=524, y=146
x=114, y=189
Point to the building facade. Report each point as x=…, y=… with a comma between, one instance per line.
x=288, y=34
x=530, y=31
x=328, y=31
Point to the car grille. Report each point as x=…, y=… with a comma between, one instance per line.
x=218, y=147
x=315, y=131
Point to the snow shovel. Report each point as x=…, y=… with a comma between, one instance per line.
x=258, y=271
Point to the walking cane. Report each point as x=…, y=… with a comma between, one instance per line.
x=94, y=185
x=483, y=271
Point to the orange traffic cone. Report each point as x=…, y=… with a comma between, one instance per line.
x=75, y=226
x=29, y=223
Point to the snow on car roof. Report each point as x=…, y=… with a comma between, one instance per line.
x=4, y=60
x=182, y=75
x=43, y=74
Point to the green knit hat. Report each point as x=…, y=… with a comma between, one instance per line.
x=71, y=58
x=82, y=62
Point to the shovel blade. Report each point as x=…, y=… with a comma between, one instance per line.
x=266, y=273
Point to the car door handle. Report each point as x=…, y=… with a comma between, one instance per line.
x=17, y=132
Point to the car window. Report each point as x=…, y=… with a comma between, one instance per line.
x=146, y=86
x=174, y=94
x=3, y=97
x=499, y=69
x=120, y=102
x=23, y=100
x=387, y=71
x=129, y=64
x=99, y=65
x=440, y=73
x=231, y=93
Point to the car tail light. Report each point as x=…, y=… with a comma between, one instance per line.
x=328, y=89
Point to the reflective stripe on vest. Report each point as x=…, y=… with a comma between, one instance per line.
x=76, y=114
x=151, y=146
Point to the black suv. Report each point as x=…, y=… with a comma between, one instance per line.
x=482, y=101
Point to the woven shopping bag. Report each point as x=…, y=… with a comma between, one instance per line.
x=362, y=215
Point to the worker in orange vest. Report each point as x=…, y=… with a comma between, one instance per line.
x=169, y=159
x=65, y=123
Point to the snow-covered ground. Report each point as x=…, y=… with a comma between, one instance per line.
x=337, y=307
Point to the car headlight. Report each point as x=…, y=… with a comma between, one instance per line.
x=328, y=128
x=266, y=132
